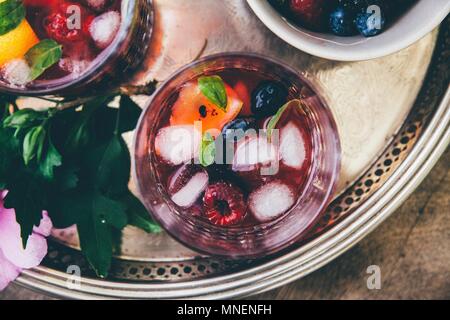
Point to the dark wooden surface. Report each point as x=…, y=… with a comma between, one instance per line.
x=412, y=249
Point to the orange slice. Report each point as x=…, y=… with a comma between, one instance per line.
x=193, y=106
x=17, y=42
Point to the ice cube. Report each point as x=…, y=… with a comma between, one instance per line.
x=74, y=67
x=292, y=146
x=16, y=72
x=271, y=200
x=254, y=152
x=187, y=184
x=104, y=28
x=178, y=144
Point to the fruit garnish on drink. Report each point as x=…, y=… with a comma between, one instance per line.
x=234, y=148
x=49, y=40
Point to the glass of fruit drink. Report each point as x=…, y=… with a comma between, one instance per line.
x=71, y=46
x=237, y=155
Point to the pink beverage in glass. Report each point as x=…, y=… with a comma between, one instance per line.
x=87, y=42
x=232, y=150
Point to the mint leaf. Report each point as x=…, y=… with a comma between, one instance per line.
x=213, y=88
x=138, y=216
x=207, y=150
x=33, y=144
x=10, y=155
x=4, y=108
x=96, y=217
x=144, y=223
x=95, y=234
x=110, y=211
x=129, y=114
x=23, y=118
x=26, y=197
x=109, y=166
x=276, y=118
x=96, y=243
x=42, y=56
x=49, y=161
x=12, y=13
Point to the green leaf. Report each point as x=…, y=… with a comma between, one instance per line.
x=10, y=156
x=96, y=215
x=138, y=216
x=111, y=211
x=207, y=150
x=33, y=144
x=51, y=160
x=96, y=243
x=78, y=136
x=23, y=118
x=4, y=109
x=12, y=13
x=64, y=210
x=129, y=114
x=26, y=197
x=67, y=177
x=42, y=56
x=213, y=88
x=276, y=118
x=109, y=165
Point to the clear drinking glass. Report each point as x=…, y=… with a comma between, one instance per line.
x=249, y=241
x=112, y=67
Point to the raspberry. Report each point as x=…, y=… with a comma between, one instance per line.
x=224, y=204
x=58, y=27
x=310, y=13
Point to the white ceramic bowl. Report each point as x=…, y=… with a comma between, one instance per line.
x=419, y=20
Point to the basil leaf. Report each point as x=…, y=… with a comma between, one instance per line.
x=207, y=150
x=42, y=56
x=274, y=120
x=33, y=144
x=22, y=118
x=12, y=13
x=213, y=88
x=51, y=160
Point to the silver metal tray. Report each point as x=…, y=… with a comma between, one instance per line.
x=393, y=116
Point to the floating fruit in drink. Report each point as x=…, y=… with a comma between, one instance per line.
x=252, y=176
x=43, y=42
x=193, y=106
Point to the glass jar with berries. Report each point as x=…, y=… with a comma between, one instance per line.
x=71, y=46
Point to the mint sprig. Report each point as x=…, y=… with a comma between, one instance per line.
x=295, y=103
x=12, y=13
x=213, y=88
x=207, y=150
x=73, y=163
x=42, y=56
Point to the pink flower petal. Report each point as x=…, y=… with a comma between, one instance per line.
x=11, y=242
x=8, y=271
x=45, y=227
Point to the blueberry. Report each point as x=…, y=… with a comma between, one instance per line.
x=237, y=128
x=267, y=98
x=370, y=24
x=342, y=19
x=232, y=132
